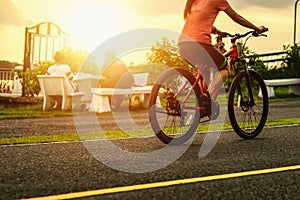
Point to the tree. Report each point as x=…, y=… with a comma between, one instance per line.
x=6, y=65
x=167, y=53
x=79, y=60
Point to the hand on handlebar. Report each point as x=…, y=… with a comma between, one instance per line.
x=261, y=29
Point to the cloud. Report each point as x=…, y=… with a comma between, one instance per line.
x=164, y=7
x=10, y=15
x=155, y=7
x=176, y=7
x=272, y=4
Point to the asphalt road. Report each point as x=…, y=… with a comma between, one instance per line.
x=61, y=168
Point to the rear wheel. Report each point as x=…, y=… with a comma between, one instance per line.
x=173, y=106
x=248, y=116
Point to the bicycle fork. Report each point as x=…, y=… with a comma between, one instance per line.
x=241, y=101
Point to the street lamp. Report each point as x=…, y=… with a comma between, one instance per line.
x=295, y=22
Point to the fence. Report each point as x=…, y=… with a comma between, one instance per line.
x=6, y=81
x=273, y=59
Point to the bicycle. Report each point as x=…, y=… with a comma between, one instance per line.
x=176, y=107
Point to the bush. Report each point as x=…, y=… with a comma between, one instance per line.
x=289, y=68
x=32, y=86
x=291, y=63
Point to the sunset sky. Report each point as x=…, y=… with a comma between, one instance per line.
x=91, y=22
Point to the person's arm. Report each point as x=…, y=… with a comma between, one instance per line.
x=242, y=21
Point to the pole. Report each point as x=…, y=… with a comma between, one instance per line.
x=295, y=22
x=25, y=61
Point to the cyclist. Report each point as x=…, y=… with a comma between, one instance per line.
x=195, y=41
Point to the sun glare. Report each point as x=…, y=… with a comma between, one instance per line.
x=91, y=24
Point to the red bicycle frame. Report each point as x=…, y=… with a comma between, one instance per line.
x=232, y=55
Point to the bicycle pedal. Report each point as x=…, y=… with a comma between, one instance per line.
x=203, y=114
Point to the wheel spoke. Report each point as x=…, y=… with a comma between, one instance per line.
x=249, y=113
x=170, y=119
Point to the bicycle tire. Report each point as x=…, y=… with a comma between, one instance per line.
x=247, y=119
x=171, y=121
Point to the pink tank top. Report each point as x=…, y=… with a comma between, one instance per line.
x=199, y=22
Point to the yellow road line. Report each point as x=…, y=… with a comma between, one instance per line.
x=166, y=183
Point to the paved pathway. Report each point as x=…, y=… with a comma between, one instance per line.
x=59, y=168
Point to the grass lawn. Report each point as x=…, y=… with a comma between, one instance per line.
x=121, y=134
x=30, y=111
x=33, y=111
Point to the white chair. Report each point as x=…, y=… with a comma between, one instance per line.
x=140, y=100
x=57, y=88
x=141, y=79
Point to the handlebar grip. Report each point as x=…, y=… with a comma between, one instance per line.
x=255, y=34
x=265, y=30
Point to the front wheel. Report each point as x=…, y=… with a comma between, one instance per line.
x=248, y=104
x=173, y=106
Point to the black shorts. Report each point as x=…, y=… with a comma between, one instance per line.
x=200, y=54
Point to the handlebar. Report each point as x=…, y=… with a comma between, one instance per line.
x=237, y=36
